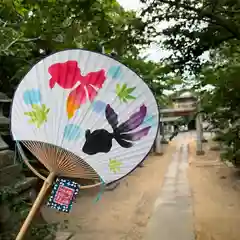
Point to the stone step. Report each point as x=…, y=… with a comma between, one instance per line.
x=6, y=158
x=7, y=138
x=4, y=121
x=9, y=174
x=23, y=189
x=3, y=145
x=25, y=184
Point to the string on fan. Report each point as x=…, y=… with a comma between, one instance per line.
x=100, y=193
x=16, y=154
x=19, y=153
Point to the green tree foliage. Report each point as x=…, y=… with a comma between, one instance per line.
x=157, y=75
x=195, y=27
x=33, y=29
x=222, y=102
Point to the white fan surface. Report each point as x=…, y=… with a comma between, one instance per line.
x=73, y=91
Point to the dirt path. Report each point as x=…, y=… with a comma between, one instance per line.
x=172, y=217
x=216, y=197
x=122, y=213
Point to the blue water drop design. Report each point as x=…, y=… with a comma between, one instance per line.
x=72, y=132
x=150, y=120
x=99, y=106
x=32, y=96
x=115, y=72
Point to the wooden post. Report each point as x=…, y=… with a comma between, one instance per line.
x=159, y=150
x=163, y=140
x=36, y=206
x=204, y=140
x=199, y=150
x=103, y=50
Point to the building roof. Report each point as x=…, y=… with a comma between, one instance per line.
x=186, y=96
x=177, y=110
x=169, y=119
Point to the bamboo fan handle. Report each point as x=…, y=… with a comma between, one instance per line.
x=47, y=183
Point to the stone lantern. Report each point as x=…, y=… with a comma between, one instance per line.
x=4, y=121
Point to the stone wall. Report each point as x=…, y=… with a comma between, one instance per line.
x=13, y=184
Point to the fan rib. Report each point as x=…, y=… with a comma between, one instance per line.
x=61, y=161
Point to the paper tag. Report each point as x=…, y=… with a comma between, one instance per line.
x=63, y=194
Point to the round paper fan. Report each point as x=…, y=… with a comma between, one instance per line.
x=84, y=115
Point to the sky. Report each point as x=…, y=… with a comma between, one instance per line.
x=154, y=52
x=130, y=4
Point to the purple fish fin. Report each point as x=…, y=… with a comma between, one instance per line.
x=122, y=142
x=134, y=121
x=111, y=116
x=135, y=136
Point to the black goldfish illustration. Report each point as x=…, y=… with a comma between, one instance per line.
x=100, y=140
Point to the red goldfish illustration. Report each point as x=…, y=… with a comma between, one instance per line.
x=87, y=89
x=67, y=75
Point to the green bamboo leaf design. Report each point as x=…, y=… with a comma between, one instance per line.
x=44, y=107
x=30, y=114
x=36, y=107
x=124, y=93
x=124, y=87
x=114, y=165
x=118, y=88
x=39, y=115
x=130, y=90
x=131, y=97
